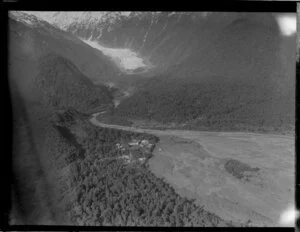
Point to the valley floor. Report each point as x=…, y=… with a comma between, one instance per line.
x=194, y=163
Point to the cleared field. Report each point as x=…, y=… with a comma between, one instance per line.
x=196, y=169
x=256, y=186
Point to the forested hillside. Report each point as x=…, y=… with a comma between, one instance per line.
x=34, y=37
x=108, y=191
x=72, y=173
x=236, y=75
x=61, y=84
x=47, y=64
x=214, y=105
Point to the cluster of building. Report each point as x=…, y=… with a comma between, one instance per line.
x=120, y=147
x=141, y=143
x=135, y=151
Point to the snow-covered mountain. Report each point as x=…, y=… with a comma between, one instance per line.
x=126, y=59
x=151, y=43
x=64, y=19
x=101, y=19
x=161, y=40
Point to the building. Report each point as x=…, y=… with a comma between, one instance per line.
x=142, y=160
x=134, y=143
x=126, y=158
x=144, y=142
x=119, y=146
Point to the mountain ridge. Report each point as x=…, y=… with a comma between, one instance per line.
x=93, y=63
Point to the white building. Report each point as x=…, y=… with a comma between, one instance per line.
x=134, y=143
x=142, y=160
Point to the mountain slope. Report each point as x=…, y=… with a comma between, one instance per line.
x=34, y=37
x=164, y=39
x=221, y=70
x=216, y=106
x=61, y=175
x=236, y=67
x=61, y=84
x=244, y=79
x=44, y=84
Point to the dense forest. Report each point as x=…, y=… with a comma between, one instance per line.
x=61, y=84
x=212, y=106
x=111, y=192
x=86, y=182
